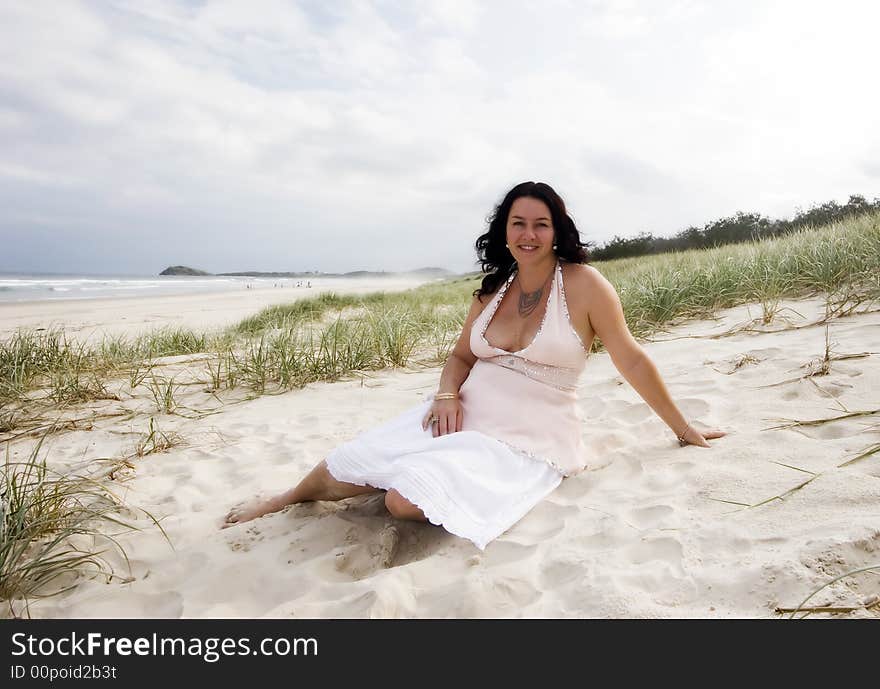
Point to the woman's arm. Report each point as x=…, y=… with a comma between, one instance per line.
x=449, y=412
x=606, y=318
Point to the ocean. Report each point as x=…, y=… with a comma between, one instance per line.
x=45, y=287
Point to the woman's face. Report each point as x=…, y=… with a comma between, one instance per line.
x=530, y=232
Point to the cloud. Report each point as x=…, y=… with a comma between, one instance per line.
x=335, y=135
x=628, y=174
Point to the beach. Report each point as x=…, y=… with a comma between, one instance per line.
x=746, y=529
x=89, y=320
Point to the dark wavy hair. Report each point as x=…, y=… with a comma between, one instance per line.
x=492, y=252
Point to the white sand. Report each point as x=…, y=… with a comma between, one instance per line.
x=644, y=533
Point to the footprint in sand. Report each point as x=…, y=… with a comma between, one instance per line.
x=557, y=573
x=680, y=469
x=545, y=521
x=832, y=389
x=504, y=552
x=616, y=408
x=694, y=407
x=654, y=566
x=168, y=604
x=652, y=517
x=664, y=549
x=832, y=431
x=509, y=593
x=635, y=413
x=574, y=488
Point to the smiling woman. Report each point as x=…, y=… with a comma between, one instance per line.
x=503, y=429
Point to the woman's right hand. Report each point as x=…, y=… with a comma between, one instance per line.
x=444, y=417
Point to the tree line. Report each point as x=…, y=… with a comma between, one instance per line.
x=740, y=227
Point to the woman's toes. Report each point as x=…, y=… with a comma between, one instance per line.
x=231, y=519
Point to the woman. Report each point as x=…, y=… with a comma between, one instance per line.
x=503, y=430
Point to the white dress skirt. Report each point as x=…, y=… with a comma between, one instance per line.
x=472, y=485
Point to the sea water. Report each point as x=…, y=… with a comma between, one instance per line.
x=46, y=287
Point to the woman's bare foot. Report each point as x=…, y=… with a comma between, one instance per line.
x=254, y=509
x=318, y=485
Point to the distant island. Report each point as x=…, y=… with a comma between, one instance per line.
x=428, y=271
x=182, y=270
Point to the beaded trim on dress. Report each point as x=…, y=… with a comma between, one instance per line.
x=558, y=377
x=565, y=309
x=552, y=461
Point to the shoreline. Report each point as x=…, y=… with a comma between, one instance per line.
x=90, y=319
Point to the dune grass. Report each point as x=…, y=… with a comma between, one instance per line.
x=54, y=528
x=841, y=260
x=330, y=336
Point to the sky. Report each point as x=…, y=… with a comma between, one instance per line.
x=353, y=135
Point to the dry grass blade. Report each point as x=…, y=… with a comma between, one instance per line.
x=872, y=450
x=827, y=584
x=858, y=355
x=789, y=466
x=778, y=383
x=827, y=608
x=782, y=496
x=739, y=363
x=730, y=502
x=793, y=423
x=60, y=425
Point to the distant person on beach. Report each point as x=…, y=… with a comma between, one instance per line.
x=503, y=429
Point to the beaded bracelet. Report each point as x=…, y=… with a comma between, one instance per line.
x=681, y=441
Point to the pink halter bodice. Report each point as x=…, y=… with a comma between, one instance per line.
x=527, y=398
x=555, y=355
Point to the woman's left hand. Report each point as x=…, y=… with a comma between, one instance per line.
x=444, y=417
x=695, y=436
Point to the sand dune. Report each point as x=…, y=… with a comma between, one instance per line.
x=650, y=530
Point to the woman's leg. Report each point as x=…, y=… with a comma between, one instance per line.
x=318, y=485
x=401, y=508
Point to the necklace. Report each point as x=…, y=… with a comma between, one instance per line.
x=528, y=301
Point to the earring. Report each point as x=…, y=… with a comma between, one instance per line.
x=554, y=247
x=507, y=245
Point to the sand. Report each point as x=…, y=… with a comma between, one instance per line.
x=755, y=523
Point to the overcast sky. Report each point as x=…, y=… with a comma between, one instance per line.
x=343, y=135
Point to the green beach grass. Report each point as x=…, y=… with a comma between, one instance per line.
x=330, y=336
x=53, y=528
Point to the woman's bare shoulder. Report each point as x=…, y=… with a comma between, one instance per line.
x=581, y=277
x=588, y=291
